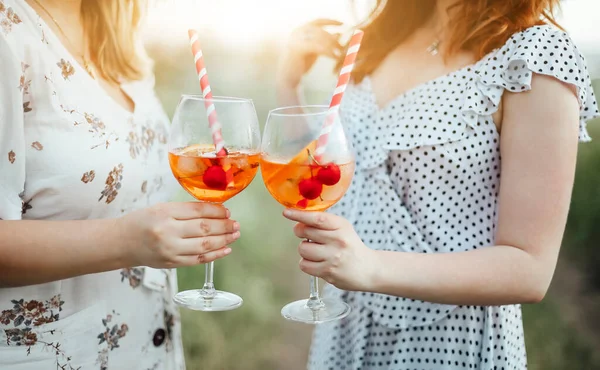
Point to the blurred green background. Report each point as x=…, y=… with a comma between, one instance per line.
x=563, y=332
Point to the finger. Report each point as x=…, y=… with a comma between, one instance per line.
x=328, y=50
x=206, y=244
x=312, y=251
x=206, y=226
x=319, y=220
x=193, y=260
x=335, y=43
x=332, y=40
x=192, y=210
x=316, y=49
x=312, y=268
x=318, y=39
x=214, y=255
x=313, y=234
x=322, y=22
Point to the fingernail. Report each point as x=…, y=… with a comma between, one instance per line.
x=228, y=213
x=227, y=251
x=236, y=226
x=288, y=212
x=236, y=234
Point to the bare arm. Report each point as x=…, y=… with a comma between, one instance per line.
x=538, y=147
x=164, y=236
x=33, y=252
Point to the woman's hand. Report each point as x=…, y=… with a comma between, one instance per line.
x=306, y=43
x=177, y=234
x=335, y=252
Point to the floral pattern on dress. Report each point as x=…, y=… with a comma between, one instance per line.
x=169, y=321
x=8, y=18
x=24, y=83
x=66, y=68
x=141, y=138
x=26, y=316
x=133, y=275
x=113, y=184
x=20, y=337
x=97, y=127
x=37, y=146
x=12, y=156
x=24, y=86
x=110, y=338
x=162, y=134
x=149, y=188
x=141, y=142
x=25, y=205
x=32, y=312
x=88, y=176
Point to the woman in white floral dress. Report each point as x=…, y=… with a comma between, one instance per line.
x=83, y=174
x=465, y=116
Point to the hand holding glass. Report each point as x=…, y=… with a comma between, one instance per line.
x=212, y=178
x=297, y=178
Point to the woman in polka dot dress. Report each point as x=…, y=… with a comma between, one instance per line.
x=465, y=117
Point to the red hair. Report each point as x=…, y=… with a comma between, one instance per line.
x=476, y=26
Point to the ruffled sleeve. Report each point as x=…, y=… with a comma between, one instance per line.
x=543, y=50
x=12, y=141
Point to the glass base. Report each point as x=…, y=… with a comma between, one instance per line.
x=201, y=300
x=333, y=309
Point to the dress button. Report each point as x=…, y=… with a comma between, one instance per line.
x=159, y=337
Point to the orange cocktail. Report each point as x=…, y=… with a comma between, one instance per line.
x=307, y=186
x=209, y=178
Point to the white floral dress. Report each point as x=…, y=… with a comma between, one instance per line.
x=427, y=181
x=69, y=152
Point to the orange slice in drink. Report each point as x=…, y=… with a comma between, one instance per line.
x=302, y=158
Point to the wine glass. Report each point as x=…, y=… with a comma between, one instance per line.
x=213, y=177
x=300, y=176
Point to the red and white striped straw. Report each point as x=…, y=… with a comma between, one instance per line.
x=338, y=93
x=211, y=113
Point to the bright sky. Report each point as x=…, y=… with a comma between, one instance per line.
x=244, y=22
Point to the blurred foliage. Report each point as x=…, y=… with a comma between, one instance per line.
x=263, y=265
x=583, y=231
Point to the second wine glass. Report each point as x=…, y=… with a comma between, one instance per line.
x=213, y=177
x=300, y=176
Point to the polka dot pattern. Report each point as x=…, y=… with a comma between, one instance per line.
x=427, y=181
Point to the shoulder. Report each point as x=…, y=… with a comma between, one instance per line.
x=539, y=50
x=19, y=28
x=539, y=35
x=536, y=57
x=544, y=50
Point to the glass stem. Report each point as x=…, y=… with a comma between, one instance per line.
x=208, y=290
x=314, y=302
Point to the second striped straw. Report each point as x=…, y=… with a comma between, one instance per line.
x=338, y=93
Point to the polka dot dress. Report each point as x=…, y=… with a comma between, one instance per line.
x=427, y=181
